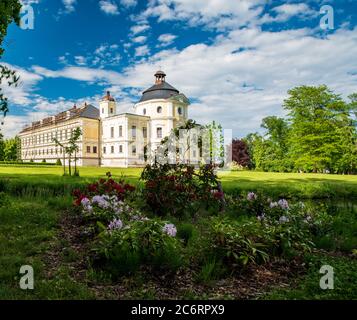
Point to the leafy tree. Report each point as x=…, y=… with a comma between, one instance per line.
x=240, y=153
x=317, y=118
x=2, y=147
x=9, y=12
x=11, y=149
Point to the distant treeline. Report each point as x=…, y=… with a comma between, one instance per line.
x=318, y=135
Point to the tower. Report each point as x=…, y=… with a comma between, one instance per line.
x=107, y=106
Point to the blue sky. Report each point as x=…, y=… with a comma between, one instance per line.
x=234, y=59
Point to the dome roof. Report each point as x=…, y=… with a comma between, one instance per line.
x=108, y=97
x=160, y=90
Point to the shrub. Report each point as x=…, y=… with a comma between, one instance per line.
x=142, y=242
x=58, y=162
x=179, y=190
x=185, y=232
x=238, y=244
x=44, y=161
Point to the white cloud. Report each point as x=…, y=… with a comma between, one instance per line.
x=128, y=3
x=69, y=5
x=80, y=60
x=142, y=51
x=166, y=39
x=139, y=39
x=139, y=28
x=217, y=14
x=109, y=7
x=286, y=11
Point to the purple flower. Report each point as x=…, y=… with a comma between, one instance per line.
x=101, y=201
x=283, y=204
x=261, y=217
x=116, y=224
x=251, y=196
x=170, y=229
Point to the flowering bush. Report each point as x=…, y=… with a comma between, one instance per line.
x=108, y=187
x=290, y=228
x=124, y=238
x=179, y=189
x=152, y=243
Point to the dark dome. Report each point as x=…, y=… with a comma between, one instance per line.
x=108, y=97
x=159, y=91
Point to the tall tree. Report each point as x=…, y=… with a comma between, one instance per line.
x=316, y=115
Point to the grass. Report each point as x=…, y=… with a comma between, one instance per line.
x=28, y=231
x=308, y=286
x=22, y=179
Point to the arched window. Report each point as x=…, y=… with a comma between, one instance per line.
x=159, y=109
x=179, y=110
x=144, y=112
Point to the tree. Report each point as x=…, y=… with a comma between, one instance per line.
x=317, y=117
x=240, y=153
x=9, y=12
x=70, y=149
x=2, y=147
x=11, y=149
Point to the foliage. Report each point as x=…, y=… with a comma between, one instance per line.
x=9, y=12
x=178, y=189
x=10, y=149
x=319, y=134
x=58, y=162
x=142, y=242
x=240, y=153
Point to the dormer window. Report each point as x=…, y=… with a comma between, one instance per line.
x=144, y=112
x=179, y=110
x=159, y=109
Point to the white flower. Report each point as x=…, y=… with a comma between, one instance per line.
x=283, y=219
x=273, y=204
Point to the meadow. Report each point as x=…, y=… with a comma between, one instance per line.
x=44, y=179
x=36, y=214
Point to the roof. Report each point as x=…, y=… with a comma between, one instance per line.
x=87, y=111
x=108, y=97
x=161, y=90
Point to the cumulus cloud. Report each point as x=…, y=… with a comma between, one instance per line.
x=109, y=7
x=166, y=39
x=142, y=51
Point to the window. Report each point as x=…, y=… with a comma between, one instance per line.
x=111, y=110
x=144, y=112
x=179, y=110
x=102, y=110
x=133, y=150
x=133, y=132
x=94, y=149
x=120, y=149
x=112, y=132
x=88, y=149
x=159, y=133
x=120, y=131
x=104, y=150
x=145, y=132
x=112, y=149
x=159, y=109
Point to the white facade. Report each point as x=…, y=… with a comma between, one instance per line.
x=124, y=137
x=110, y=139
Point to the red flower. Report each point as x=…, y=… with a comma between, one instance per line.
x=219, y=195
x=129, y=187
x=93, y=187
x=102, y=181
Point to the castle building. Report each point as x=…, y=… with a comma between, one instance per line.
x=109, y=138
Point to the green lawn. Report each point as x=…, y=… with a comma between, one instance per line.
x=291, y=185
